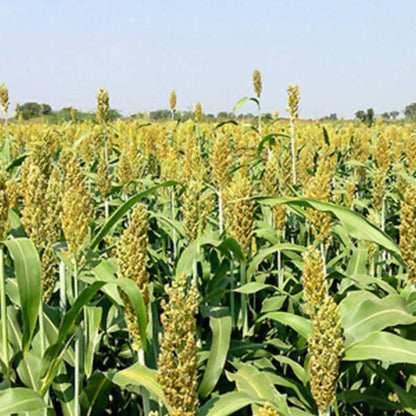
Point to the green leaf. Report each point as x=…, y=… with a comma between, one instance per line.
x=137, y=376
x=253, y=382
x=94, y=397
x=253, y=287
x=93, y=336
x=226, y=404
x=240, y=103
x=220, y=323
x=266, y=252
x=18, y=400
x=301, y=325
x=27, y=270
x=372, y=315
x=54, y=354
x=355, y=224
x=383, y=346
x=131, y=289
x=123, y=209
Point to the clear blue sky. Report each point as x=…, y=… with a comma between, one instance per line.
x=345, y=55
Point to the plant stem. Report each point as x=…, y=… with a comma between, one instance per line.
x=173, y=219
x=292, y=141
x=220, y=210
x=76, y=350
x=4, y=314
x=106, y=209
x=244, y=298
x=62, y=287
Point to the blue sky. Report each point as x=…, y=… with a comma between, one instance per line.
x=345, y=55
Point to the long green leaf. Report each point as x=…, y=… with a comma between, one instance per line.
x=383, y=346
x=361, y=319
x=220, y=323
x=355, y=224
x=137, y=376
x=123, y=209
x=253, y=382
x=226, y=404
x=18, y=400
x=301, y=325
x=27, y=270
x=54, y=354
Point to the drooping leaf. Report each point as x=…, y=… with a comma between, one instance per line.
x=372, y=315
x=383, y=346
x=27, y=270
x=122, y=210
x=220, y=323
x=18, y=400
x=137, y=376
x=226, y=404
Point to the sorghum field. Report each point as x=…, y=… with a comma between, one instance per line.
x=187, y=268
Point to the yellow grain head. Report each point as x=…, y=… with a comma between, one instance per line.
x=4, y=98
x=349, y=193
x=305, y=165
x=257, y=84
x=293, y=98
x=198, y=112
x=407, y=231
x=13, y=193
x=132, y=257
x=33, y=190
x=51, y=232
x=221, y=159
x=177, y=363
x=73, y=114
x=382, y=152
x=410, y=149
x=268, y=409
x=320, y=188
x=239, y=218
x=315, y=288
x=285, y=171
x=195, y=207
x=379, y=189
x=103, y=105
x=77, y=207
x=325, y=347
x=276, y=114
x=172, y=100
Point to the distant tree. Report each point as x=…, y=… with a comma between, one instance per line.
x=366, y=116
x=361, y=115
x=30, y=110
x=225, y=114
x=394, y=114
x=331, y=117
x=410, y=111
x=160, y=115
x=386, y=115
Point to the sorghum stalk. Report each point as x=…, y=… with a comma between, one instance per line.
x=132, y=257
x=407, y=231
x=325, y=345
x=172, y=103
x=293, y=110
x=77, y=211
x=257, y=84
x=4, y=335
x=4, y=103
x=177, y=363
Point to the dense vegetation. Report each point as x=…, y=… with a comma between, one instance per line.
x=210, y=269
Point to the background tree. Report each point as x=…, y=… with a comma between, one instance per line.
x=410, y=111
x=394, y=114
